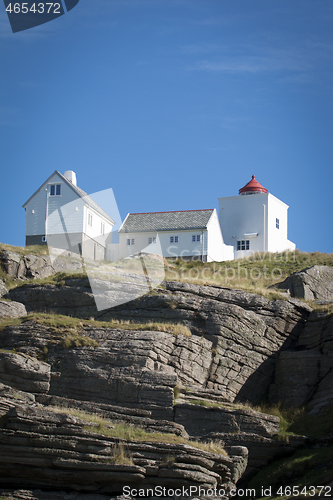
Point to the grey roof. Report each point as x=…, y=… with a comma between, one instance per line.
x=82, y=194
x=166, y=221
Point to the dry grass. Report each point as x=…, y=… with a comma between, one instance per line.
x=326, y=308
x=128, y=432
x=75, y=326
x=253, y=274
x=120, y=455
x=32, y=250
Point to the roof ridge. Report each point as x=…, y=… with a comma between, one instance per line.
x=172, y=211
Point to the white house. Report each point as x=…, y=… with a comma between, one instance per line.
x=254, y=221
x=187, y=234
x=63, y=216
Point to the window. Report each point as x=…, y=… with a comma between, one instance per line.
x=196, y=237
x=102, y=228
x=174, y=239
x=151, y=240
x=130, y=241
x=171, y=239
x=243, y=245
x=90, y=218
x=55, y=189
x=277, y=223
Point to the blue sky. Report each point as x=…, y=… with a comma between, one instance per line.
x=173, y=103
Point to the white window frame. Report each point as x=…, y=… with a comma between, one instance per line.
x=243, y=245
x=90, y=219
x=102, y=228
x=55, y=186
x=277, y=223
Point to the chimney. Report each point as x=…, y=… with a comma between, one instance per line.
x=70, y=176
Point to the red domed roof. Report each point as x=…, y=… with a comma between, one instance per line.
x=253, y=187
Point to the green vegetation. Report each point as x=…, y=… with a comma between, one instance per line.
x=293, y=421
x=309, y=466
x=134, y=433
x=176, y=392
x=306, y=467
x=298, y=421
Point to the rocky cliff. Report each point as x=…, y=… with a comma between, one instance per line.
x=236, y=336
x=242, y=348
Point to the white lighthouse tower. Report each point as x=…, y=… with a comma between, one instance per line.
x=254, y=221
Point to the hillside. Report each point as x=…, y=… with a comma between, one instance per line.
x=255, y=274
x=192, y=362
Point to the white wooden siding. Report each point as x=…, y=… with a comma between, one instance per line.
x=94, y=230
x=184, y=248
x=59, y=208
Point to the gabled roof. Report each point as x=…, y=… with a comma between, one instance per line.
x=81, y=194
x=166, y=221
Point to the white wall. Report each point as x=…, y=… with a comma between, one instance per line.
x=253, y=217
x=243, y=215
x=278, y=238
x=217, y=250
x=35, y=222
x=184, y=248
x=94, y=231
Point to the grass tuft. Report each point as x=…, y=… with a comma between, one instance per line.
x=253, y=274
x=74, y=326
x=134, y=433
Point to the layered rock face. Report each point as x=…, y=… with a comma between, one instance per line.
x=24, y=373
x=48, y=449
x=242, y=332
x=130, y=377
x=305, y=375
x=242, y=347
